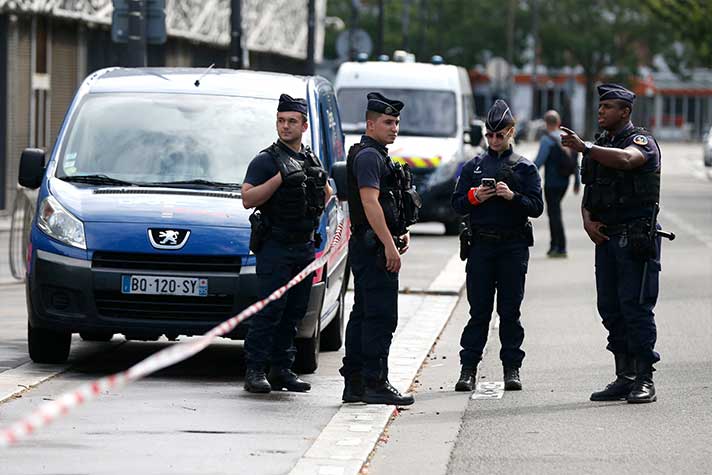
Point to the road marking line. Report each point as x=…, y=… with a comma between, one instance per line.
x=451, y=279
x=335, y=450
x=689, y=228
x=488, y=390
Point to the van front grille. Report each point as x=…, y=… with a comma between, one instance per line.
x=164, y=307
x=166, y=262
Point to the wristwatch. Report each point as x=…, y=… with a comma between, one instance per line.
x=587, y=146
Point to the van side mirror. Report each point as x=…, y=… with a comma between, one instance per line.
x=32, y=168
x=338, y=173
x=475, y=134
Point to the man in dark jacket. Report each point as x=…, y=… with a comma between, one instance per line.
x=559, y=164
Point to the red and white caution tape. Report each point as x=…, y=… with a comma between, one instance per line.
x=52, y=410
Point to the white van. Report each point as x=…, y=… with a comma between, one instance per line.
x=435, y=136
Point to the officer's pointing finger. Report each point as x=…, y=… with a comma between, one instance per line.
x=566, y=130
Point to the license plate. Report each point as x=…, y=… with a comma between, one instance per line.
x=163, y=285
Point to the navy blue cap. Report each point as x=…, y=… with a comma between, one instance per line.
x=499, y=116
x=615, y=91
x=290, y=104
x=379, y=103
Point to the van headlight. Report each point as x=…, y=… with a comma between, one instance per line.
x=58, y=223
x=447, y=171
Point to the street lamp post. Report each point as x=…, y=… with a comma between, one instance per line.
x=136, y=50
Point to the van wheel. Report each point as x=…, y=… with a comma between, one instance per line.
x=452, y=228
x=48, y=346
x=307, y=358
x=333, y=335
x=91, y=336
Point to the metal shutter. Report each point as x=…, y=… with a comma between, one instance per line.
x=18, y=99
x=63, y=79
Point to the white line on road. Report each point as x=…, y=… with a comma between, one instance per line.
x=689, y=228
x=451, y=279
x=489, y=390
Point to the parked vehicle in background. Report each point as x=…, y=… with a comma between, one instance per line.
x=438, y=133
x=140, y=228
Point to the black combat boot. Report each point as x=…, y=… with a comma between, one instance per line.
x=620, y=388
x=643, y=389
x=256, y=382
x=511, y=379
x=381, y=392
x=284, y=378
x=353, y=388
x=468, y=379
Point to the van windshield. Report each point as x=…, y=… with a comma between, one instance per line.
x=426, y=113
x=166, y=138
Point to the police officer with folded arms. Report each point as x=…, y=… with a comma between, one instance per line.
x=382, y=204
x=621, y=174
x=287, y=185
x=499, y=190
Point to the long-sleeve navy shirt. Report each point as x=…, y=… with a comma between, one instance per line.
x=497, y=211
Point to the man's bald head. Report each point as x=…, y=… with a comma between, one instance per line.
x=552, y=119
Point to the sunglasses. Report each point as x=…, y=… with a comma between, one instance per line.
x=499, y=135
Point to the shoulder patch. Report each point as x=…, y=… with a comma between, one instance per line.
x=640, y=140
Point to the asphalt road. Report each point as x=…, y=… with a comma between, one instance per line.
x=551, y=426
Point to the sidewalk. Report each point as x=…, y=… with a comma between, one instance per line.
x=5, y=275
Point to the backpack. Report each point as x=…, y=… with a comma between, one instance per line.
x=566, y=158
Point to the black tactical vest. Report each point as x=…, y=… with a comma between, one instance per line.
x=397, y=197
x=296, y=209
x=608, y=189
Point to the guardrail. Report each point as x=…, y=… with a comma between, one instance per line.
x=23, y=211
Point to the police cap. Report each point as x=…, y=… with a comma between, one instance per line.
x=499, y=116
x=288, y=103
x=379, y=103
x=615, y=91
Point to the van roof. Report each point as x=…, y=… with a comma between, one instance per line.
x=402, y=75
x=182, y=80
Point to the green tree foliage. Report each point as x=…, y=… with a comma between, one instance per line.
x=690, y=23
x=464, y=32
x=602, y=36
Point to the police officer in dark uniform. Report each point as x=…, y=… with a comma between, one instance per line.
x=288, y=185
x=621, y=174
x=378, y=190
x=499, y=190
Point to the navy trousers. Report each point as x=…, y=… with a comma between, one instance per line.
x=553, y=197
x=374, y=316
x=270, y=336
x=631, y=325
x=495, y=267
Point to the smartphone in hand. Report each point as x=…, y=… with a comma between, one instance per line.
x=489, y=182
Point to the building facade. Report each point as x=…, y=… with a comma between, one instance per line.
x=47, y=48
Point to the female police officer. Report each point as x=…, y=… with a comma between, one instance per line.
x=499, y=190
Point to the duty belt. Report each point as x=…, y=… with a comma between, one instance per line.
x=291, y=237
x=616, y=229
x=490, y=233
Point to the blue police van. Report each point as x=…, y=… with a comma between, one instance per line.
x=140, y=228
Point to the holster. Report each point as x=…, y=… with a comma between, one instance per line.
x=260, y=231
x=642, y=243
x=465, y=242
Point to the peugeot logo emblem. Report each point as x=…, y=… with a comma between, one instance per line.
x=168, y=238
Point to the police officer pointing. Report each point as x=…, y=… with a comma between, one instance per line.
x=621, y=172
x=287, y=184
x=499, y=190
x=381, y=204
